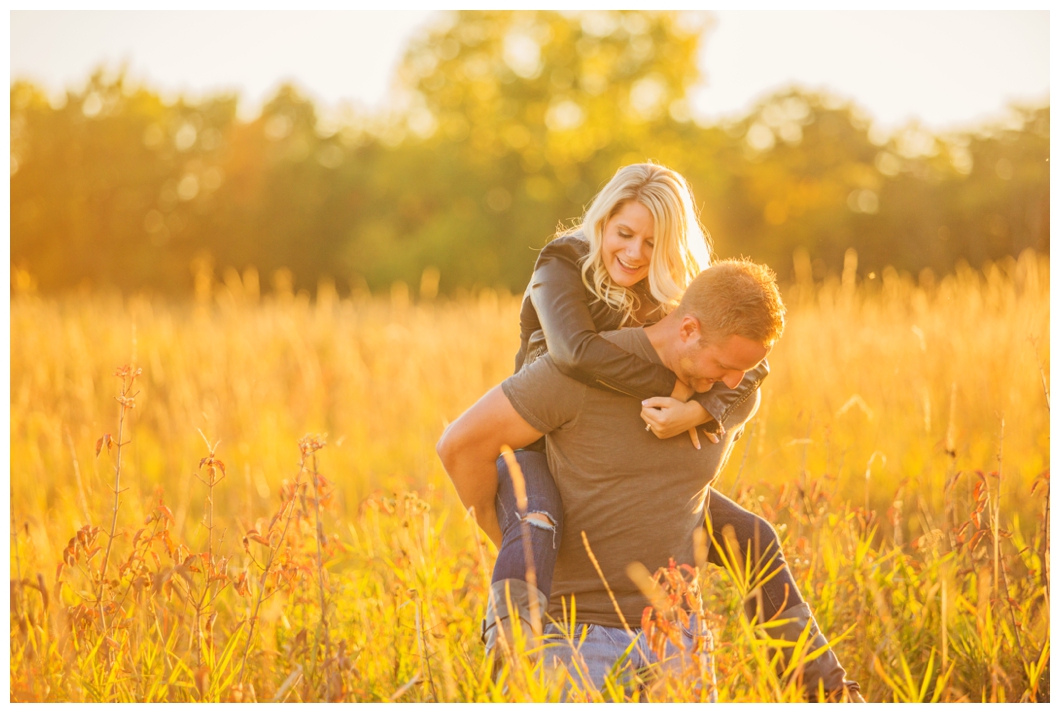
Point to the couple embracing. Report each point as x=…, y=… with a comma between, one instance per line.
x=632, y=345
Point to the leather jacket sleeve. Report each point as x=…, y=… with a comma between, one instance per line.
x=570, y=330
x=721, y=401
x=562, y=305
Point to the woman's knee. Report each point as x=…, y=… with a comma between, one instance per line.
x=544, y=508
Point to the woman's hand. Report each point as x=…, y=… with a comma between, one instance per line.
x=667, y=417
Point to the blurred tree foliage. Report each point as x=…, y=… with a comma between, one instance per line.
x=509, y=123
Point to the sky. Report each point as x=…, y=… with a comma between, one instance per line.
x=945, y=69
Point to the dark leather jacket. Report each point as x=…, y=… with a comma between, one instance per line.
x=561, y=316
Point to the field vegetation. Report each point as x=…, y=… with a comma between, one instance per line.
x=236, y=498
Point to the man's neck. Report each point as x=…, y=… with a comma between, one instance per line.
x=663, y=335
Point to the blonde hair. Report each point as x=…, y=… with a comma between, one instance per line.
x=682, y=248
x=736, y=297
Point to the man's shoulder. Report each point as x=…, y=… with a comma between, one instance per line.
x=540, y=369
x=633, y=340
x=544, y=396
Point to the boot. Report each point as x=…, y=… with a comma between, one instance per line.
x=498, y=616
x=826, y=667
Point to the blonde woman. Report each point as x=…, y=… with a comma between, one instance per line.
x=629, y=261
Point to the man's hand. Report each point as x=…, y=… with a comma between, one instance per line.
x=469, y=449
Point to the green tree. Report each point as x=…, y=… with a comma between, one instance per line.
x=509, y=124
x=537, y=109
x=109, y=187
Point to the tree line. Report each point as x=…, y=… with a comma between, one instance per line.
x=509, y=123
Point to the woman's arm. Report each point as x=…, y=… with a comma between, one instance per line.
x=562, y=305
x=721, y=401
x=668, y=417
x=561, y=302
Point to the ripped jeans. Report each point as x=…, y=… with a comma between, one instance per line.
x=546, y=528
x=755, y=536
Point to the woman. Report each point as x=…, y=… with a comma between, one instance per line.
x=628, y=263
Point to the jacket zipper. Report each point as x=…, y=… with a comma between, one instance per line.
x=612, y=387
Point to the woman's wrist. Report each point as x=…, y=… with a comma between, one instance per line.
x=704, y=415
x=682, y=391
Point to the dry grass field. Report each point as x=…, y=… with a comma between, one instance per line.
x=201, y=539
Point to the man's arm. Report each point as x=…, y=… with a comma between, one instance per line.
x=469, y=449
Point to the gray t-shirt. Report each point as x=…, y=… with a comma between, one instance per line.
x=636, y=497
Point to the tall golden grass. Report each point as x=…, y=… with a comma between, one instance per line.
x=902, y=448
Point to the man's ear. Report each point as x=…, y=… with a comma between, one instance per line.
x=690, y=329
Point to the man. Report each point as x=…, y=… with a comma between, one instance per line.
x=636, y=498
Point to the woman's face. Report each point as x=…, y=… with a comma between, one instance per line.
x=627, y=245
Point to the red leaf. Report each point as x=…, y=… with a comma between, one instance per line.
x=257, y=538
x=240, y=584
x=107, y=441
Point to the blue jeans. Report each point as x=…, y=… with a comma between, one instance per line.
x=542, y=498
x=613, y=651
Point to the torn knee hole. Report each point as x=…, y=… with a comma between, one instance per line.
x=540, y=519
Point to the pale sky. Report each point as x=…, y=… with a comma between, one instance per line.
x=945, y=68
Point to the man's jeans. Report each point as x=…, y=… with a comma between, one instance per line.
x=607, y=651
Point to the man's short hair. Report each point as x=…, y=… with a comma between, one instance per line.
x=736, y=296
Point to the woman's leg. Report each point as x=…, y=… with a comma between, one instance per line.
x=771, y=587
x=521, y=584
x=544, y=515
x=773, y=595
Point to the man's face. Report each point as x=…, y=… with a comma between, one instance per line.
x=701, y=364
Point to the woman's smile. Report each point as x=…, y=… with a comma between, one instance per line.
x=628, y=240
x=626, y=266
